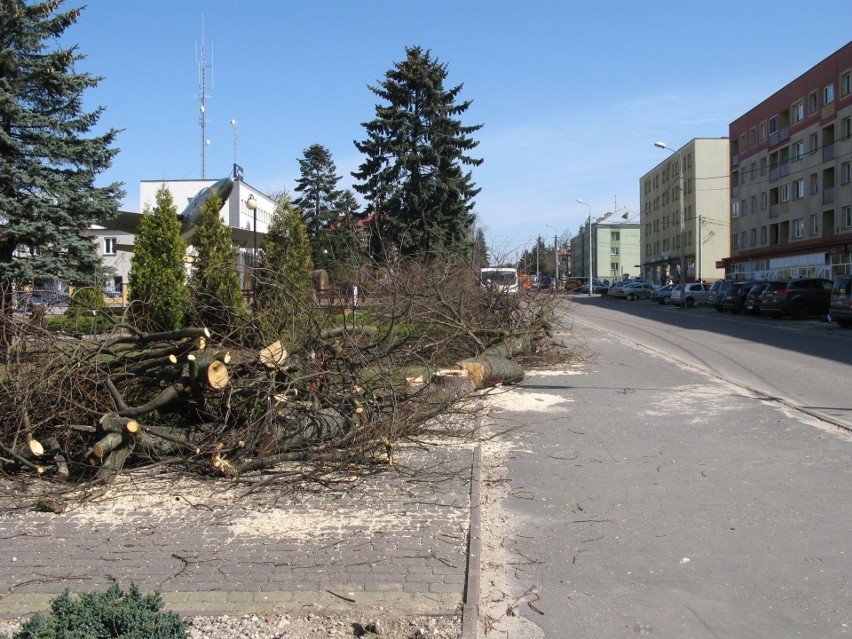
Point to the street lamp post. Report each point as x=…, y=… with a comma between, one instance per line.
x=591, y=286
x=662, y=145
x=555, y=260
x=251, y=205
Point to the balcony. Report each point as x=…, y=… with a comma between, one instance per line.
x=735, y=191
x=773, y=173
x=828, y=195
x=828, y=152
x=735, y=159
x=774, y=210
x=784, y=169
x=773, y=138
x=784, y=134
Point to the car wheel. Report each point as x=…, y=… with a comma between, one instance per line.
x=844, y=323
x=689, y=303
x=799, y=312
x=631, y=298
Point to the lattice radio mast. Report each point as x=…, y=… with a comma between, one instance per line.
x=202, y=96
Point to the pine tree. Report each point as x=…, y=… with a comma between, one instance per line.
x=48, y=160
x=215, y=283
x=419, y=195
x=158, y=289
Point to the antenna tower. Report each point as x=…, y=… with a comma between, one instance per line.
x=202, y=84
x=234, y=124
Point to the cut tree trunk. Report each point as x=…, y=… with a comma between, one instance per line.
x=492, y=371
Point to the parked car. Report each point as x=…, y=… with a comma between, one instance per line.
x=611, y=291
x=544, y=282
x=634, y=291
x=690, y=294
x=662, y=295
x=798, y=298
x=754, y=298
x=715, y=287
x=840, y=307
x=733, y=296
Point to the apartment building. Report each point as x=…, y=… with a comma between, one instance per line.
x=701, y=167
x=791, y=178
x=614, y=250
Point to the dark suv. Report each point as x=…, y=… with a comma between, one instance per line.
x=798, y=298
x=841, y=301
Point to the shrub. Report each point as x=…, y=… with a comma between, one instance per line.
x=102, y=615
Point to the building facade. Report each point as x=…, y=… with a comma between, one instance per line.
x=614, y=250
x=791, y=178
x=702, y=167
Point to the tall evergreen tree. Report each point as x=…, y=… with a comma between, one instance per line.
x=480, y=250
x=317, y=183
x=419, y=194
x=215, y=283
x=158, y=289
x=48, y=160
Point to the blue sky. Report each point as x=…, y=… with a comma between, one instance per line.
x=572, y=95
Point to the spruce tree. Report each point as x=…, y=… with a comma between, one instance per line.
x=158, y=289
x=215, y=283
x=48, y=159
x=419, y=194
x=317, y=184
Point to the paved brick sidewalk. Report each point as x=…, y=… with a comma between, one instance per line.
x=396, y=539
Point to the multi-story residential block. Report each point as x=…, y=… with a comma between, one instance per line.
x=614, y=250
x=701, y=166
x=791, y=178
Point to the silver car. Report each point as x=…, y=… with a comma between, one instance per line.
x=695, y=293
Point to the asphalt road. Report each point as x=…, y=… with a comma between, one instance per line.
x=669, y=486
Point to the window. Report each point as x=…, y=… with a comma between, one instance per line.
x=798, y=150
x=845, y=84
x=754, y=204
x=764, y=200
x=798, y=227
x=814, y=142
x=798, y=111
x=752, y=136
x=785, y=192
x=815, y=224
x=743, y=209
x=828, y=94
x=846, y=173
x=799, y=189
x=614, y=267
x=773, y=124
x=615, y=236
x=743, y=146
x=109, y=246
x=846, y=217
x=753, y=171
x=846, y=128
x=814, y=183
x=763, y=235
x=754, y=237
x=812, y=103
x=743, y=239
x=763, y=131
x=614, y=250
x=763, y=166
x=735, y=209
x=735, y=241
